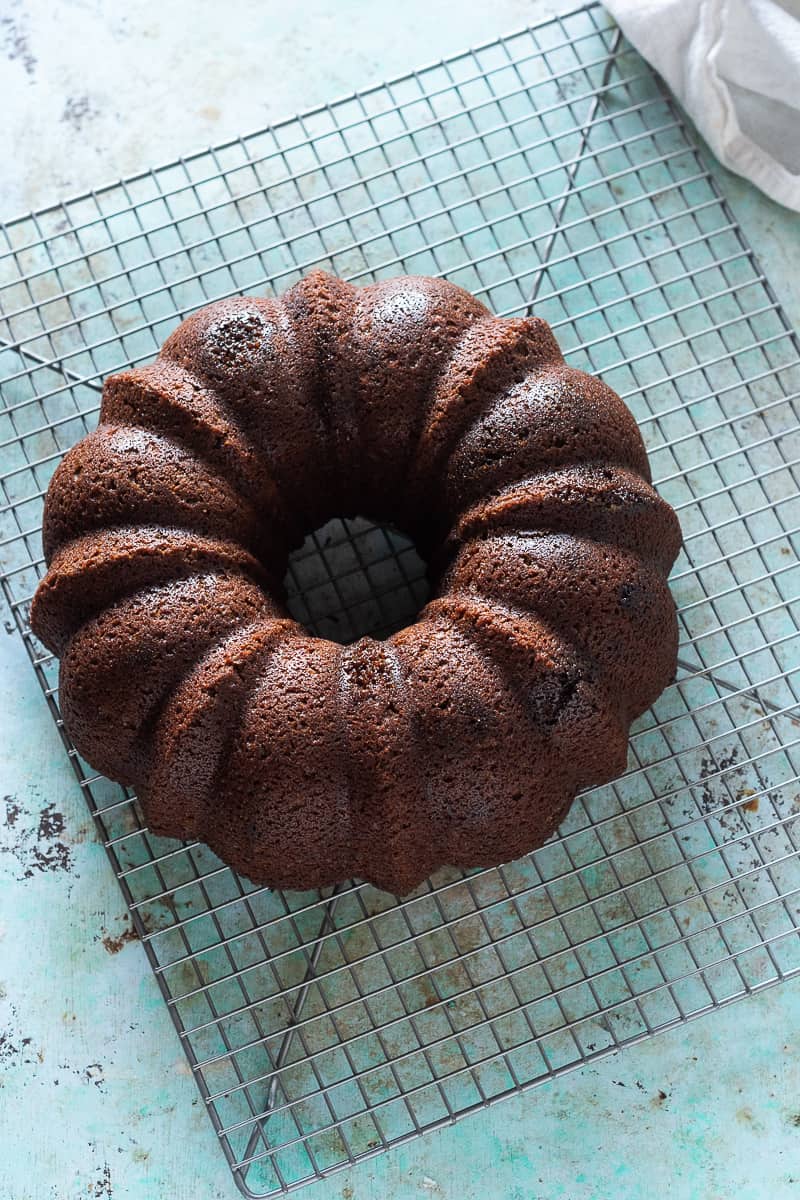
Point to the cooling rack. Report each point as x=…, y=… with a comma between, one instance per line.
x=546, y=169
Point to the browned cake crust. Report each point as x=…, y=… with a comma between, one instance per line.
x=463, y=738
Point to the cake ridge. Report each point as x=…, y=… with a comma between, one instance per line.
x=517, y=505
x=67, y=574
x=503, y=355
x=447, y=314
x=484, y=611
x=647, y=579
x=488, y=614
x=312, y=295
x=193, y=422
x=257, y=360
x=400, y=676
x=507, y=532
x=378, y=723
x=125, y=710
x=257, y=639
x=145, y=488
x=551, y=418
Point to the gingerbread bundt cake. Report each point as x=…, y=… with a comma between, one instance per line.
x=460, y=740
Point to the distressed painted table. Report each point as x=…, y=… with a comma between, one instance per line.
x=96, y=1097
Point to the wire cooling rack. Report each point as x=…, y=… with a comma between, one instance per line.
x=547, y=167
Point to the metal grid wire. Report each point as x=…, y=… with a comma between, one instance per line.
x=547, y=166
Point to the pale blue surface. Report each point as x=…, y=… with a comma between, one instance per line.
x=97, y=1099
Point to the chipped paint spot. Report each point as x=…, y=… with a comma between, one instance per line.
x=7, y=1047
x=51, y=858
x=17, y=45
x=51, y=823
x=12, y=812
x=15, y=1048
x=94, y=1074
x=35, y=840
x=77, y=111
x=102, y=1185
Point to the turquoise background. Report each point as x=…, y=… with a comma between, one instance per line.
x=96, y=1097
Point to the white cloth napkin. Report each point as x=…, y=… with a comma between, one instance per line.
x=735, y=67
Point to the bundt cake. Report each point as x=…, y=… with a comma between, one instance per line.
x=460, y=740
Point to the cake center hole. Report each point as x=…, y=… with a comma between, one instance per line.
x=352, y=578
